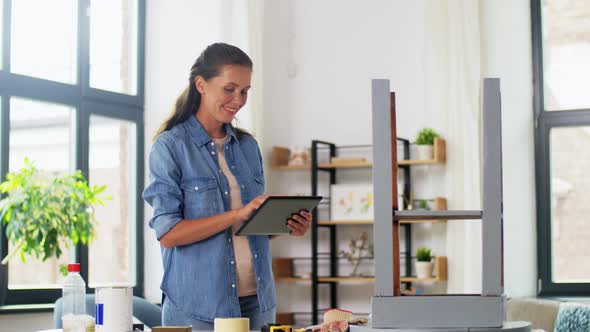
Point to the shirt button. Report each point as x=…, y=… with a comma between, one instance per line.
x=233, y=285
x=212, y=143
x=226, y=193
x=220, y=170
x=243, y=186
x=232, y=262
x=233, y=167
x=212, y=152
x=258, y=278
x=255, y=255
x=228, y=240
x=197, y=188
x=227, y=147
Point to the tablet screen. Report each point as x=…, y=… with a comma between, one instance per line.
x=271, y=217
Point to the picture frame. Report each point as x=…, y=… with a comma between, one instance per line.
x=352, y=202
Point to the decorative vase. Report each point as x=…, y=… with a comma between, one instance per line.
x=425, y=152
x=424, y=270
x=296, y=157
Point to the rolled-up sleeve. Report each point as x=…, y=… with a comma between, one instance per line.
x=163, y=192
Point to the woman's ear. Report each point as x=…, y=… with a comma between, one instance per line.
x=200, y=84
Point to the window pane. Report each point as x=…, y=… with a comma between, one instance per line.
x=31, y=123
x=113, y=45
x=566, y=42
x=44, y=39
x=1, y=31
x=112, y=163
x=570, y=189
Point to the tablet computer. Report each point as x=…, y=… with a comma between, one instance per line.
x=271, y=217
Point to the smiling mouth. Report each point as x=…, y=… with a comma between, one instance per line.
x=231, y=110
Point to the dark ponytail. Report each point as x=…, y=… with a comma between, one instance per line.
x=207, y=65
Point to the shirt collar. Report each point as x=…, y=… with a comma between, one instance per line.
x=201, y=136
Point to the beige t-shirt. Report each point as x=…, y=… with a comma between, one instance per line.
x=242, y=253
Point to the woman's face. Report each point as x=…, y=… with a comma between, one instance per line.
x=224, y=95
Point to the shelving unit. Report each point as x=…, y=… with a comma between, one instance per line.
x=440, y=204
x=280, y=158
x=440, y=275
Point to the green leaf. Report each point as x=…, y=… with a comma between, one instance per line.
x=426, y=136
x=424, y=254
x=63, y=269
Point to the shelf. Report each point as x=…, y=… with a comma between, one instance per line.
x=440, y=270
x=364, y=164
x=417, y=162
x=371, y=222
x=439, y=151
x=323, y=166
x=347, y=279
x=345, y=222
x=280, y=159
x=351, y=165
x=440, y=204
x=292, y=279
x=290, y=167
x=353, y=279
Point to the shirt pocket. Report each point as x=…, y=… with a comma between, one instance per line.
x=257, y=186
x=201, y=197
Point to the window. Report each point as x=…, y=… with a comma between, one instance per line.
x=113, y=163
x=113, y=45
x=44, y=39
x=71, y=97
x=31, y=122
x=561, y=49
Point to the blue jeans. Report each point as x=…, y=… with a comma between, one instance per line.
x=172, y=316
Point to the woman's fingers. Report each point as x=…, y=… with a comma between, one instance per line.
x=300, y=219
x=299, y=223
x=294, y=230
x=296, y=226
x=260, y=199
x=305, y=214
x=256, y=202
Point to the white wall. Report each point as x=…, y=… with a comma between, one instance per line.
x=337, y=47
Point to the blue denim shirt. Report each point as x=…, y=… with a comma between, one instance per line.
x=187, y=183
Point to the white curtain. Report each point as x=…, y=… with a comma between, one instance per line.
x=241, y=24
x=453, y=79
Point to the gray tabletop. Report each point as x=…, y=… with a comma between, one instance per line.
x=507, y=327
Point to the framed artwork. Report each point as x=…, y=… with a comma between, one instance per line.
x=351, y=202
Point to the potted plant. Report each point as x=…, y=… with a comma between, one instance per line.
x=421, y=204
x=424, y=265
x=425, y=141
x=43, y=213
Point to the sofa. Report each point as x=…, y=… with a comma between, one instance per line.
x=549, y=315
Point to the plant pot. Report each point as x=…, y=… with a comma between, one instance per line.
x=425, y=152
x=424, y=269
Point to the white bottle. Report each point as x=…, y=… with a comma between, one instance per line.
x=74, y=299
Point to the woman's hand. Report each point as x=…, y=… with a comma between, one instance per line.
x=246, y=211
x=299, y=223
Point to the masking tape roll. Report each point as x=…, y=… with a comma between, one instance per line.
x=231, y=324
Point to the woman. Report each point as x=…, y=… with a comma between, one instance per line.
x=206, y=179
